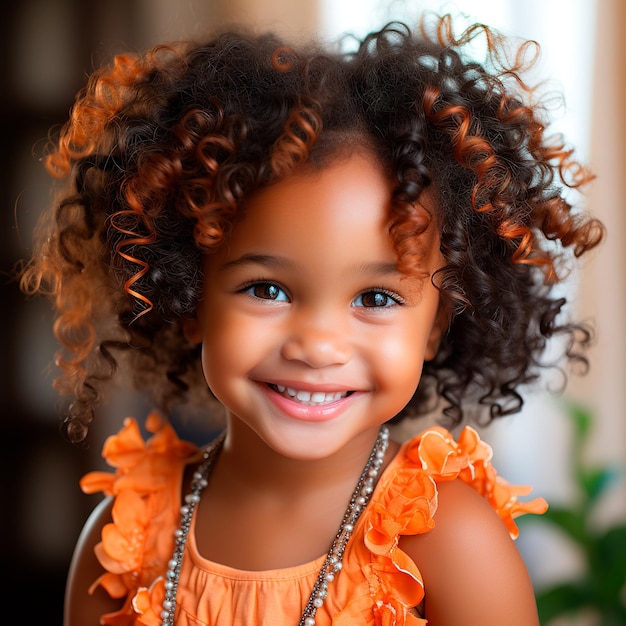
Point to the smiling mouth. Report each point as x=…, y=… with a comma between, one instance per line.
x=310, y=398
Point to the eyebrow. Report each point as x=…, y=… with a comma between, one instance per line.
x=270, y=260
x=382, y=268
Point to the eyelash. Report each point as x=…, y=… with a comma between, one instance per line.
x=258, y=283
x=392, y=295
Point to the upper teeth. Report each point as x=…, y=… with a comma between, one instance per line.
x=315, y=397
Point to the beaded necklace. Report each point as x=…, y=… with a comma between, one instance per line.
x=333, y=562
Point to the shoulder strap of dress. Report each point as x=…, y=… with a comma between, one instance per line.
x=469, y=459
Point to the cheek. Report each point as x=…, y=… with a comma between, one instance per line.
x=400, y=360
x=230, y=347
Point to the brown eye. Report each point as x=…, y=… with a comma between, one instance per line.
x=266, y=291
x=376, y=299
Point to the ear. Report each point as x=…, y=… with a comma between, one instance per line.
x=192, y=330
x=440, y=326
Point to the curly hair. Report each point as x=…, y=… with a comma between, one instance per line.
x=162, y=149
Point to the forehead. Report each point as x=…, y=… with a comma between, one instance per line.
x=331, y=219
x=345, y=202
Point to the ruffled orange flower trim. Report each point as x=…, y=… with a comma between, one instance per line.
x=406, y=507
x=136, y=546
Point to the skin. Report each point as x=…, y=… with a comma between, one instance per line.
x=306, y=295
x=285, y=307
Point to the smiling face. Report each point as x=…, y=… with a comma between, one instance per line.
x=311, y=337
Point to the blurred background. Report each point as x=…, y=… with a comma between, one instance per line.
x=47, y=49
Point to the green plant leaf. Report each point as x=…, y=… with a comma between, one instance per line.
x=595, y=480
x=569, y=521
x=608, y=565
x=602, y=587
x=560, y=599
x=613, y=619
x=581, y=416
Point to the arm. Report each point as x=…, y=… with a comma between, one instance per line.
x=472, y=570
x=82, y=608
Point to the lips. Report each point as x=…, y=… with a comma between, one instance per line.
x=310, y=398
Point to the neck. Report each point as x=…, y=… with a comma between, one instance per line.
x=333, y=562
x=250, y=464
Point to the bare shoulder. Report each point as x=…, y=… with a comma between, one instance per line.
x=81, y=608
x=472, y=570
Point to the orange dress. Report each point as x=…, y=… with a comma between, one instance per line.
x=378, y=584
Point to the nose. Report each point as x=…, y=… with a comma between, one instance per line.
x=316, y=339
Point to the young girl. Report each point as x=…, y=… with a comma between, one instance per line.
x=329, y=241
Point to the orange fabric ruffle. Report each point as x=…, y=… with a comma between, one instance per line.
x=404, y=504
x=137, y=545
x=379, y=584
